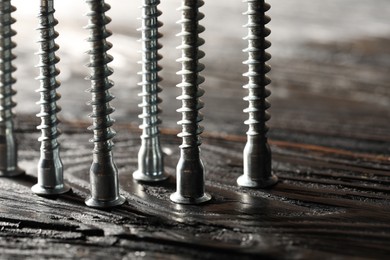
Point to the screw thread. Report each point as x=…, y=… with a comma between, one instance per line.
x=8, y=145
x=50, y=167
x=191, y=79
x=150, y=69
x=100, y=84
x=257, y=68
x=103, y=172
x=257, y=153
x=47, y=78
x=150, y=155
x=190, y=178
x=7, y=68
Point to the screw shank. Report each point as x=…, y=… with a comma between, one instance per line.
x=8, y=153
x=150, y=158
x=190, y=174
x=257, y=158
x=50, y=169
x=104, y=178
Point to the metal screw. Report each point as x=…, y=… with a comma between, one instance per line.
x=50, y=167
x=257, y=153
x=150, y=155
x=103, y=172
x=190, y=169
x=8, y=145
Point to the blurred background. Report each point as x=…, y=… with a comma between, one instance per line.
x=328, y=57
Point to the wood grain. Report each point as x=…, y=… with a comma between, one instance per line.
x=329, y=202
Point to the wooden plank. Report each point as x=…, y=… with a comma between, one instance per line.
x=329, y=202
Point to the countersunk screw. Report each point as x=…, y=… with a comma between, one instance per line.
x=190, y=169
x=8, y=146
x=50, y=167
x=150, y=155
x=257, y=153
x=103, y=172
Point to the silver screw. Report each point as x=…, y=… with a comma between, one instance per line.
x=103, y=172
x=8, y=146
x=150, y=155
x=257, y=153
x=190, y=170
x=50, y=167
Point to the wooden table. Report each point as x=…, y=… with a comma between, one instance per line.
x=332, y=199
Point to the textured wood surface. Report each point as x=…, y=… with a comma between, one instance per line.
x=330, y=202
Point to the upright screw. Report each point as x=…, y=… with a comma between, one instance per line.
x=150, y=155
x=190, y=169
x=257, y=153
x=50, y=167
x=8, y=145
x=103, y=172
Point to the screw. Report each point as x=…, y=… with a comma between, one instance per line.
x=8, y=144
x=190, y=169
x=50, y=167
x=103, y=172
x=257, y=153
x=150, y=155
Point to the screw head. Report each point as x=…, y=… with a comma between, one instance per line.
x=246, y=181
x=94, y=203
x=44, y=191
x=178, y=198
x=12, y=173
x=155, y=177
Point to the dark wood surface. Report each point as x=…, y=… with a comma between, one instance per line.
x=332, y=201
